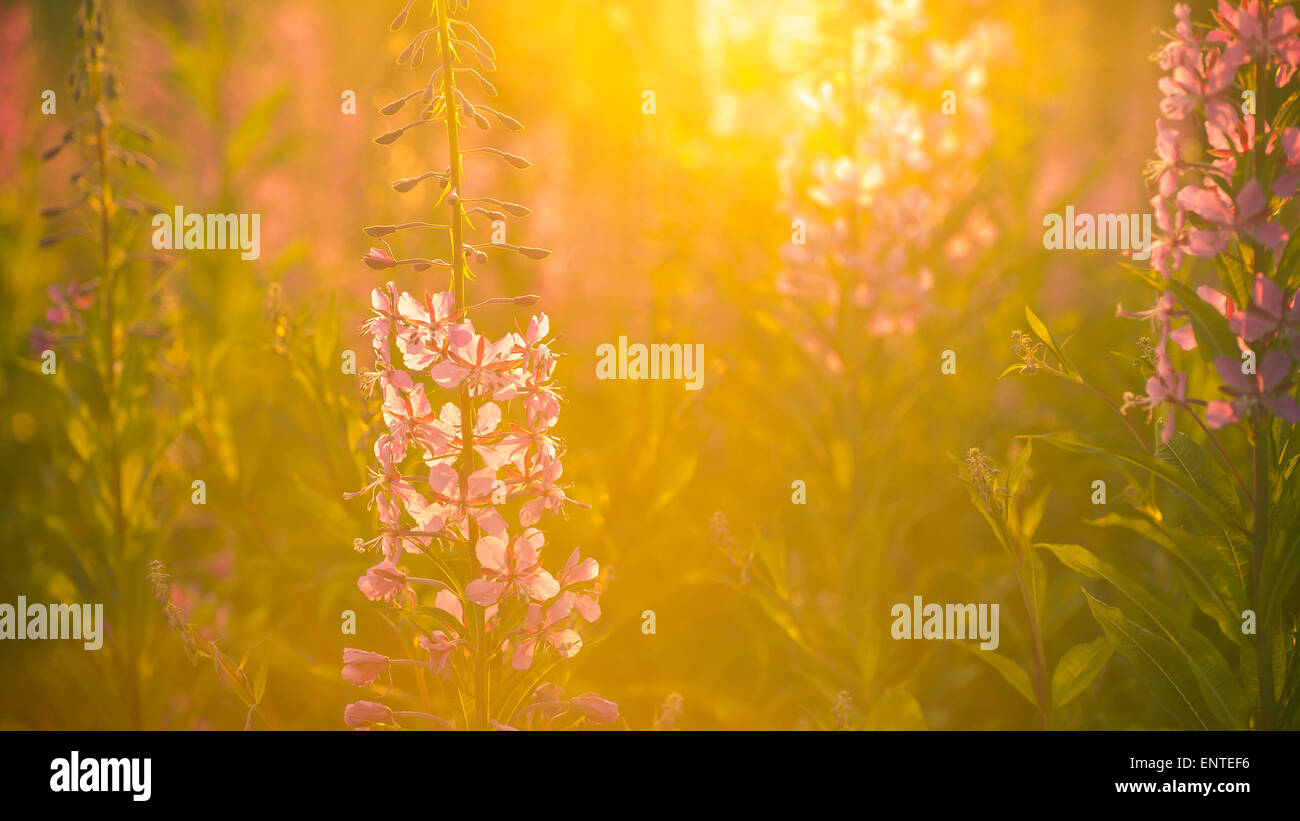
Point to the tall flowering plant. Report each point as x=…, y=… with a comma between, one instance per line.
x=467, y=465
x=879, y=183
x=1219, y=369
x=109, y=357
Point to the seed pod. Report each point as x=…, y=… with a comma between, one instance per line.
x=428, y=89
x=515, y=209
x=488, y=88
x=379, y=230
x=395, y=106
x=533, y=253
x=506, y=120
x=54, y=239
x=400, y=19
x=464, y=101
x=55, y=149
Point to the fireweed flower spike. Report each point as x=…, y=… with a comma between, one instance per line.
x=1209, y=210
x=1227, y=208
x=468, y=461
x=111, y=332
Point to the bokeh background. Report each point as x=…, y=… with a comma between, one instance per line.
x=674, y=227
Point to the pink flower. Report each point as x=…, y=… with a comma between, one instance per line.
x=1268, y=315
x=69, y=301
x=549, y=494
x=429, y=328
x=1170, y=164
x=599, y=710
x=1247, y=38
x=545, y=624
x=361, y=715
x=406, y=408
x=510, y=568
x=474, y=502
x=579, y=571
x=1248, y=217
x=383, y=582
x=1189, y=89
x=1171, y=240
x=446, y=442
x=379, y=259
x=1165, y=387
x=1269, y=388
x=474, y=362
x=438, y=643
x=1184, y=47
x=362, y=667
x=1164, y=312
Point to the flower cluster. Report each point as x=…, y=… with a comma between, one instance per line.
x=1221, y=174
x=466, y=481
x=437, y=500
x=860, y=180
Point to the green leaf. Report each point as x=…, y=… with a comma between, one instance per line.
x=1210, y=328
x=1036, y=576
x=441, y=620
x=1217, y=683
x=1216, y=584
x=1072, y=442
x=1164, y=671
x=895, y=710
x=1016, y=474
x=1014, y=674
x=1077, y=668
x=1236, y=278
x=1040, y=330
x=1191, y=459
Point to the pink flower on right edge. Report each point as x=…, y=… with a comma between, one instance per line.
x=1268, y=388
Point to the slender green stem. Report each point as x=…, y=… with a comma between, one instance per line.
x=1040, y=656
x=108, y=280
x=477, y=616
x=1259, y=547
x=1261, y=455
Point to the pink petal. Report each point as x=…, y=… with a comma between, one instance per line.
x=483, y=592
x=1183, y=337
x=1275, y=368
x=1219, y=413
